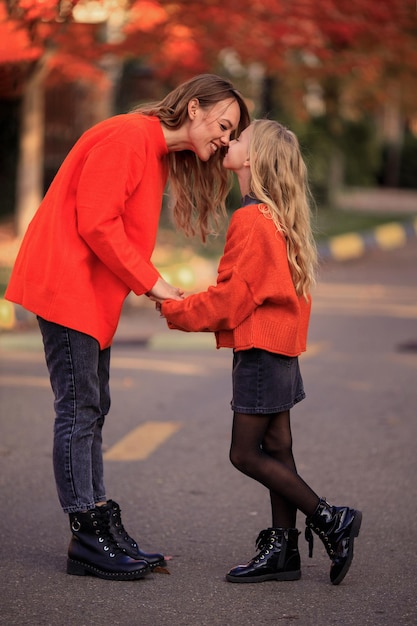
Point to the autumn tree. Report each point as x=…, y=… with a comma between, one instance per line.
x=355, y=55
x=352, y=57
x=364, y=59
x=36, y=39
x=61, y=40
x=358, y=56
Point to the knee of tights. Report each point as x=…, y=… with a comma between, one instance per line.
x=243, y=463
x=281, y=453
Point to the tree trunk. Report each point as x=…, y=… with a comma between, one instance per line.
x=336, y=171
x=393, y=139
x=29, y=180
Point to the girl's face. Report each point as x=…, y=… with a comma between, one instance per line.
x=211, y=129
x=237, y=156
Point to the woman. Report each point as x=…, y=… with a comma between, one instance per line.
x=89, y=245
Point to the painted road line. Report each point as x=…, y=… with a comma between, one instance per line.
x=158, y=365
x=314, y=348
x=365, y=300
x=175, y=340
x=42, y=382
x=25, y=381
x=142, y=441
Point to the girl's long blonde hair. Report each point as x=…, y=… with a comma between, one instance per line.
x=279, y=180
x=198, y=188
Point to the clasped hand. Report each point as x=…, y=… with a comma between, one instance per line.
x=163, y=291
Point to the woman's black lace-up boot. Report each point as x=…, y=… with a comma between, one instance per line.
x=93, y=551
x=124, y=541
x=278, y=558
x=337, y=526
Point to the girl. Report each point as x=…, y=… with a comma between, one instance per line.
x=260, y=307
x=88, y=246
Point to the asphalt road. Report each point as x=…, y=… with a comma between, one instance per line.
x=167, y=440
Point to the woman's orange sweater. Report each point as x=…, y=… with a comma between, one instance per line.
x=254, y=303
x=91, y=240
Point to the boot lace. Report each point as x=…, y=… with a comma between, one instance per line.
x=264, y=543
x=101, y=527
x=118, y=526
x=332, y=518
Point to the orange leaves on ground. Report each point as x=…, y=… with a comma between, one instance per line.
x=160, y=570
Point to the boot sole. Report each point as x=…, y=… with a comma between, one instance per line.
x=159, y=564
x=356, y=524
x=295, y=575
x=76, y=568
x=162, y=563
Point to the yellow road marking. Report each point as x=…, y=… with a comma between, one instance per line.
x=158, y=365
x=24, y=381
x=315, y=348
x=43, y=382
x=363, y=299
x=142, y=441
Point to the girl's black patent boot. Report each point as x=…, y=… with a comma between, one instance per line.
x=278, y=558
x=92, y=550
x=337, y=526
x=124, y=541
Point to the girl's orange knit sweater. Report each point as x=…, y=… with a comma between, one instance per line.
x=254, y=303
x=91, y=240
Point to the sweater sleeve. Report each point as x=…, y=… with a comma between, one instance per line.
x=239, y=283
x=104, y=187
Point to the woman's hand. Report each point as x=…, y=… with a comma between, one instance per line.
x=162, y=291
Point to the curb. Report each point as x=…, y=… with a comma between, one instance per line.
x=354, y=245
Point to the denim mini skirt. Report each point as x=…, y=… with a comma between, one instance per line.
x=264, y=382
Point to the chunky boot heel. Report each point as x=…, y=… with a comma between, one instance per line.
x=76, y=569
x=337, y=527
x=124, y=541
x=92, y=550
x=278, y=559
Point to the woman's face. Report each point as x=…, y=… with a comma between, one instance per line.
x=237, y=155
x=210, y=129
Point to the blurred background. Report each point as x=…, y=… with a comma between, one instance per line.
x=340, y=73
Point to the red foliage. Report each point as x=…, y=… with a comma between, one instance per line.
x=15, y=43
x=355, y=40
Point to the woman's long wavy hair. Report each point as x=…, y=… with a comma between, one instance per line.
x=279, y=180
x=198, y=188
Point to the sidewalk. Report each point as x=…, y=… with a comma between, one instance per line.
x=380, y=200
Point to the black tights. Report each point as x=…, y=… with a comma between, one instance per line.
x=262, y=449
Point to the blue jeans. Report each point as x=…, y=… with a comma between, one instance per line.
x=79, y=374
